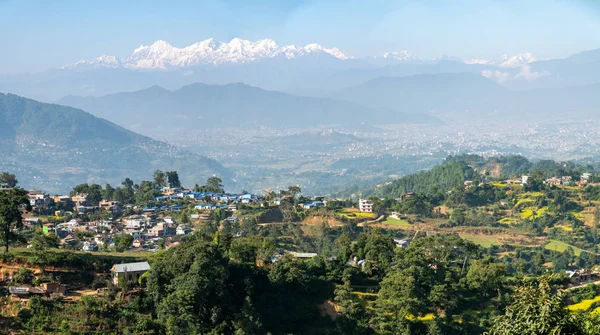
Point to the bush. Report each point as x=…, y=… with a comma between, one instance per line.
x=23, y=276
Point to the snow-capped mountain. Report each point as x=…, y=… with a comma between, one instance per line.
x=162, y=55
x=403, y=56
x=506, y=61
x=102, y=61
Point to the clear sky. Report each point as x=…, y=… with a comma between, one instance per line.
x=42, y=34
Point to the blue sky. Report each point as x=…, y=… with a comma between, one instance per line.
x=37, y=35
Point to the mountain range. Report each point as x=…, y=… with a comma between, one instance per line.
x=199, y=106
x=467, y=96
x=162, y=55
x=421, y=98
x=506, y=61
x=288, y=68
x=55, y=147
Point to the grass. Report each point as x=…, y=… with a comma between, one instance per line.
x=365, y=295
x=584, y=305
x=507, y=221
x=527, y=213
x=565, y=227
x=541, y=211
x=524, y=201
x=482, y=240
x=559, y=246
x=578, y=216
x=353, y=215
x=532, y=212
x=533, y=194
x=141, y=255
x=396, y=222
x=426, y=317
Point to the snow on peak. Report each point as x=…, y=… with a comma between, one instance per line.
x=102, y=61
x=162, y=55
x=506, y=61
x=403, y=55
x=517, y=60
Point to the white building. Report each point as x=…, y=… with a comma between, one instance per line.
x=365, y=205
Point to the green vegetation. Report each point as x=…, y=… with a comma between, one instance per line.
x=559, y=246
x=396, y=222
x=482, y=240
x=440, y=178
x=482, y=257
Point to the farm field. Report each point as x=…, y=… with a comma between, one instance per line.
x=396, y=222
x=485, y=241
x=585, y=304
x=559, y=246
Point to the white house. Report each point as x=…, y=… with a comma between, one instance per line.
x=365, y=205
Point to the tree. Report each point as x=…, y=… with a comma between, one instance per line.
x=127, y=183
x=123, y=242
x=351, y=309
x=537, y=310
x=160, y=178
x=485, y=276
x=344, y=247
x=41, y=241
x=23, y=276
x=294, y=190
x=427, y=278
x=108, y=193
x=93, y=191
x=214, y=184
x=190, y=289
x=12, y=202
x=378, y=251
x=173, y=179
x=9, y=179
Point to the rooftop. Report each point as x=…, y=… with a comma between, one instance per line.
x=139, y=266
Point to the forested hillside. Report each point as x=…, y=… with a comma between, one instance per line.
x=58, y=146
x=442, y=177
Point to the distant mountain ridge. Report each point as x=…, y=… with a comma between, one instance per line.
x=162, y=55
x=469, y=96
x=506, y=61
x=199, y=105
x=55, y=147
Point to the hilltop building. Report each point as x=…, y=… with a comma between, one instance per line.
x=365, y=205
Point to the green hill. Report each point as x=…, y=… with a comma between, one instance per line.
x=54, y=147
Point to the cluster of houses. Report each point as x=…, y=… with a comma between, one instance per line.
x=146, y=229
x=584, y=180
x=169, y=193
x=45, y=289
x=78, y=203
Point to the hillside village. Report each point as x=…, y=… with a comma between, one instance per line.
x=104, y=242
x=87, y=224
